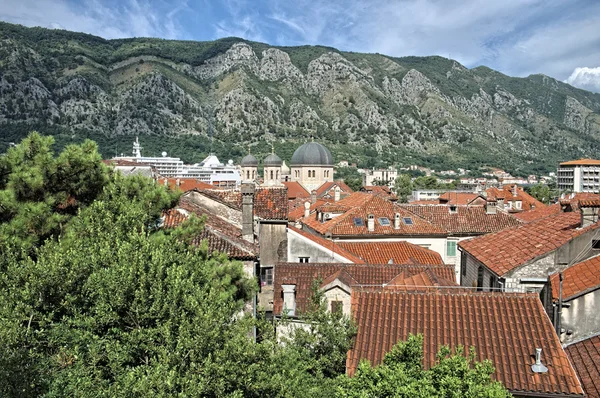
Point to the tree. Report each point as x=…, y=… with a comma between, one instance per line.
x=402, y=375
x=404, y=187
x=428, y=182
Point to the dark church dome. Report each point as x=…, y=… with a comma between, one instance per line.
x=249, y=161
x=312, y=154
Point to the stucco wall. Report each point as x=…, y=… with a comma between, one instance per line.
x=312, y=182
x=299, y=246
x=273, y=243
x=216, y=208
x=582, y=317
x=337, y=294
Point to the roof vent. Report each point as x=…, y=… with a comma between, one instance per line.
x=538, y=367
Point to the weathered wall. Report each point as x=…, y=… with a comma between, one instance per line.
x=337, y=294
x=472, y=268
x=219, y=209
x=582, y=317
x=299, y=246
x=272, y=239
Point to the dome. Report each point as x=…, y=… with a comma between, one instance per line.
x=249, y=161
x=272, y=160
x=312, y=153
x=285, y=170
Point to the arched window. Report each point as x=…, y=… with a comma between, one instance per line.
x=247, y=174
x=271, y=174
x=277, y=174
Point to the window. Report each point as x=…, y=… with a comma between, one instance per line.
x=271, y=174
x=596, y=244
x=266, y=276
x=451, y=248
x=336, y=306
x=492, y=282
x=463, y=265
x=407, y=220
x=453, y=209
x=384, y=221
x=518, y=205
x=247, y=174
x=303, y=259
x=480, y=278
x=359, y=222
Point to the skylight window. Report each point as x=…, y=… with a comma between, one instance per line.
x=359, y=222
x=384, y=221
x=407, y=220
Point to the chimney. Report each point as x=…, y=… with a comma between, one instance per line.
x=491, y=206
x=248, y=212
x=306, y=209
x=515, y=190
x=538, y=366
x=178, y=182
x=313, y=196
x=397, y=221
x=589, y=216
x=289, y=299
x=371, y=223
x=337, y=193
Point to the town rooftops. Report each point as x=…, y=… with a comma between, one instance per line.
x=504, y=328
x=352, y=215
x=463, y=219
x=514, y=193
x=578, y=279
x=539, y=212
x=585, y=356
x=295, y=190
x=460, y=198
x=382, y=190
x=581, y=162
x=363, y=276
x=394, y=252
x=184, y=184
x=326, y=190
x=503, y=251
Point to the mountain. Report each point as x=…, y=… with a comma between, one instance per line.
x=189, y=98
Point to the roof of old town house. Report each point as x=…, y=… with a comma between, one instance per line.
x=585, y=356
x=504, y=328
x=460, y=198
x=328, y=188
x=503, y=251
x=397, y=252
x=528, y=202
x=295, y=190
x=296, y=207
x=366, y=276
x=360, y=205
x=539, y=212
x=578, y=279
x=464, y=219
x=185, y=184
x=329, y=245
x=382, y=190
x=269, y=203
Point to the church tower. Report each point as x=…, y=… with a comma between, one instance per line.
x=249, y=167
x=272, y=169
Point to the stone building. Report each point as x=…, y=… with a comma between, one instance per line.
x=249, y=166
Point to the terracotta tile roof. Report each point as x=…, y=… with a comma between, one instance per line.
x=528, y=202
x=328, y=189
x=467, y=219
x=329, y=245
x=589, y=202
x=585, y=356
x=296, y=208
x=185, y=184
x=581, y=162
x=505, y=250
x=295, y=190
x=303, y=275
x=577, y=279
x=382, y=190
x=505, y=328
x=538, y=213
x=220, y=235
x=269, y=203
x=399, y=252
x=360, y=205
x=460, y=198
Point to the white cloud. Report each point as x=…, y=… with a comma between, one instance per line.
x=585, y=78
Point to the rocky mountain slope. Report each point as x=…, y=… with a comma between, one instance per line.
x=366, y=107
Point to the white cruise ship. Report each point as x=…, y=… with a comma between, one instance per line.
x=210, y=170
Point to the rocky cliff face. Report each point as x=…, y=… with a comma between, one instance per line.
x=251, y=92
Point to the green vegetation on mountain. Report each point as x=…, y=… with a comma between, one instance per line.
x=191, y=98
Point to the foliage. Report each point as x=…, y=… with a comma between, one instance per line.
x=541, y=192
x=404, y=187
x=402, y=375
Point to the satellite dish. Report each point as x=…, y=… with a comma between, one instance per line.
x=164, y=154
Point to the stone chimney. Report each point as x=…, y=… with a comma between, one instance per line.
x=371, y=223
x=306, y=209
x=178, y=182
x=515, y=190
x=337, y=193
x=313, y=196
x=491, y=206
x=289, y=299
x=248, y=212
x=397, y=221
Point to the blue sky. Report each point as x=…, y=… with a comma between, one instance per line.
x=560, y=38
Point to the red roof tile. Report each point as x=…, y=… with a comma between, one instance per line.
x=329, y=245
x=460, y=198
x=578, y=279
x=185, y=184
x=296, y=208
x=506, y=250
x=585, y=356
x=360, y=205
x=328, y=189
x=382, y=190
x=538, y=213
x=581, y=162
x=303, y=275
x=269, y=203
x=504, y=328
x=398, y=252
x=467, y=220
x=528, y=202
x=295, y=190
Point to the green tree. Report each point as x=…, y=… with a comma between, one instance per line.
x=404, y=187
x=428, y=182
x=402, y=375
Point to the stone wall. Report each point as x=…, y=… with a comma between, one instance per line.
x=581, y=319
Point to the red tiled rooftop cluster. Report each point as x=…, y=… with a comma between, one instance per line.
x=185, y=184
x=460, y=198
x=398, y=252
x=577, y=279
x=528, y=202
x=295, y=190
x=329, y=245
x=585, y=356
x=505, y=328
x=505, y=250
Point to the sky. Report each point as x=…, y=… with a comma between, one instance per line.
x=559, y=38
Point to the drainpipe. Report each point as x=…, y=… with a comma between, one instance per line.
x=560, y=304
